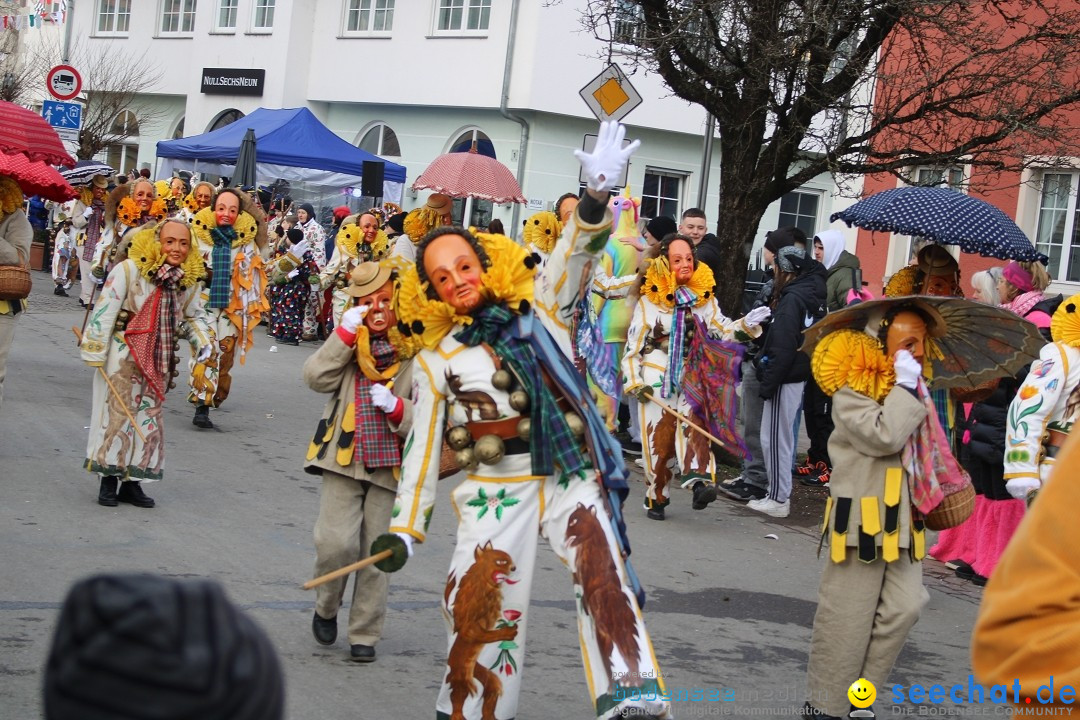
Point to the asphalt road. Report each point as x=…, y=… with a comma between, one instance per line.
x=728, y=607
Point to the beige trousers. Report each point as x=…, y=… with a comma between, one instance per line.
x=352, y=513
x=864, y=614
x=7, y=334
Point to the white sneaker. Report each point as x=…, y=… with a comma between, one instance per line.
x=771, y=507
x=640, y=462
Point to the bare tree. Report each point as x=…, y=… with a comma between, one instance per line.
x=19, y=82
x=114, y=84
x=804, y=87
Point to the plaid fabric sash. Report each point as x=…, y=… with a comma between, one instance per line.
x=684, y=301
x=928, y=460
x=376, y=445
x=221, y=263
x=93, y=230
x=169, y=316
x=551, y=442
x=150, y=334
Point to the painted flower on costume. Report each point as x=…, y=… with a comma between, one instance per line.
x=496, y=502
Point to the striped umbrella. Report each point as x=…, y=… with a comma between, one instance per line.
x=36, y=178
x=470, y=174
x=85, y=171
x=947, y=217
x=26, y=132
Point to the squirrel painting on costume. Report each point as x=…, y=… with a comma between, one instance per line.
x=675, y=291
x=127, y=208
x=496, y=379
x=356, y=243
x=148, y=302
x=357, y=450
x=871, y=591
x=231, y=236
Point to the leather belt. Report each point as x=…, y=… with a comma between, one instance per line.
x=1056, y=438
x=505, y=428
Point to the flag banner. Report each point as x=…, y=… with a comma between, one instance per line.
x=710, y=381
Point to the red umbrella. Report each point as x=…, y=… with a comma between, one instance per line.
x=22, y=131
x=36, y=178
x=470, y=174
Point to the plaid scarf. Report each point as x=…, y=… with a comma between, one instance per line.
x=590, y=346
x=376, y=445
x=221, y=264
x=169, y=316
x=932, y=470
x=93, y=230
x=684, y=302
x=551, y=442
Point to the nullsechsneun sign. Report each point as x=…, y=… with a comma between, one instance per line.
x=233, y=81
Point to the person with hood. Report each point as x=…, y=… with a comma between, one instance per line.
x=316, y=240
x=844, y=275
x=798, y=302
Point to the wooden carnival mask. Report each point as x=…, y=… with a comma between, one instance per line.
x=454, y=269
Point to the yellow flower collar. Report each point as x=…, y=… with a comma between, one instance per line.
x=128, y=212
x=350, y=237
x=205, y=221
x=659, y=287
x=508, y=280
x=11, y=196
x=852, y=358
x=542, y=231
x=145, y=252
x=1065, y=324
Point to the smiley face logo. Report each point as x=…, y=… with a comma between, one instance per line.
x=862, y=693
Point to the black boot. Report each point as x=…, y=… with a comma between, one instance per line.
x=704, y=493
x=202, y=417
x=132, y=492
x=325, y=631
x=60, y=291
x=107, y=494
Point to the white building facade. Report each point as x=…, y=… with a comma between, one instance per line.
x=411, y=79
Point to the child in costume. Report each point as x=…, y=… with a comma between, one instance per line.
x=231, y=235
x=291, y=280
x=871, y=591
x=63, y=257
x=496, y=371
x=357, y=450
x=676, y=290
x=148, y=302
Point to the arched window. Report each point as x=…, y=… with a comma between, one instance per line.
x=179, y=131
x=227, y=117
x=381, y=140
x=122, y=151
x=465, y=142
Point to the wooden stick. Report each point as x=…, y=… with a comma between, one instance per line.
x=86, y=315
x=688, y=421
x=119, y=397
x=348, y=569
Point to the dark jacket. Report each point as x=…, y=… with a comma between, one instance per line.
x=708, y=252
x=841, y=280
x=802, y=303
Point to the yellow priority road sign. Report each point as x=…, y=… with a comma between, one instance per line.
x=609, y=95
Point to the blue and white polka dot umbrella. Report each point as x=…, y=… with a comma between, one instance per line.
x=945, y=216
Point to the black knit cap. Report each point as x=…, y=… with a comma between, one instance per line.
x=784, y=237
x=397, y=222
x=660, y=227
x=142, y=647
x=295, y=235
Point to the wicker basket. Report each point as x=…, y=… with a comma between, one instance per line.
x=447, y=462
x=15, y=280
x=953, y=510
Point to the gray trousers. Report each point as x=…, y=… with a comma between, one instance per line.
x=7, y=334
x=778, y=438
x=352, y=513
x=750, y=407
x=864, y=614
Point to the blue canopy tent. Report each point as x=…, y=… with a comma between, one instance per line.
x=291, y=144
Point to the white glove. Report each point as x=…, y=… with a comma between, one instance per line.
x=351, y=318
x=408, y=540
x=204, y=353
x=88, y=212
x=383, y=398
x=298, y=250
x=293, y=274
x=908, y=369
x=757, y=316
x=604, y=165
x=1021, y=487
